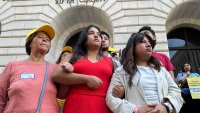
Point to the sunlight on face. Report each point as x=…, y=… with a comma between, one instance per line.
x=41, y=42
x=94, y=38
x=143, y=49
x=105, y=41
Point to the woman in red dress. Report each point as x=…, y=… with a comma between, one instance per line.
x=91, y=76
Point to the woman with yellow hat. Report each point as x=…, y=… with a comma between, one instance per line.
x=26, y=86
x=65, y=54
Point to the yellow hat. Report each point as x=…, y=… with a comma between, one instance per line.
x=67, y=49
x=112, y=49
x=45, y=28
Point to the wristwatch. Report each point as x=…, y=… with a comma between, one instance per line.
x=168, y=107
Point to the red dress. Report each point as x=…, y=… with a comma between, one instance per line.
x=82, y=99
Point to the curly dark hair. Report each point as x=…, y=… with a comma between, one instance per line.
x=104, y=33
x=147, y=28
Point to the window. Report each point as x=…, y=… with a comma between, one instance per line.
x=184, y=46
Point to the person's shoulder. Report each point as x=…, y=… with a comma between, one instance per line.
x=180, y=74
x=155, y=53
x=81, y=60
x=118, y=63
x=161, y=55
x=163, y=69
x=16, y=62
x=106, y=58
x=158, y=53
x=120, y=70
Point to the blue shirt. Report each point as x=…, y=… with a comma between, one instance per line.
x=181, y=74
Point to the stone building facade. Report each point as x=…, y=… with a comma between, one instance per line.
x=119, y=18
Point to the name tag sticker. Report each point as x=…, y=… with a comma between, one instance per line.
x=27, y=76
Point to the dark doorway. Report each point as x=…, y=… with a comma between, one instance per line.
x=73, y=40
x=184, y=46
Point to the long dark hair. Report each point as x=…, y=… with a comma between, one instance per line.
x=129, y=63
x=80, y=48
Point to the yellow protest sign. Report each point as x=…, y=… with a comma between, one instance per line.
x=194, y=86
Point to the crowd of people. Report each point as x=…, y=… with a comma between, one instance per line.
x=91, y=78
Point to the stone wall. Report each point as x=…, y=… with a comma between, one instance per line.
x=119, y=18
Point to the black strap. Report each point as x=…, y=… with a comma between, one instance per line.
x=43, y=88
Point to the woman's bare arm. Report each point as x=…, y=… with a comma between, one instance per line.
x=70, y=78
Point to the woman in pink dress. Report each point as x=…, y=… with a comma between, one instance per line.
x=91, y=76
